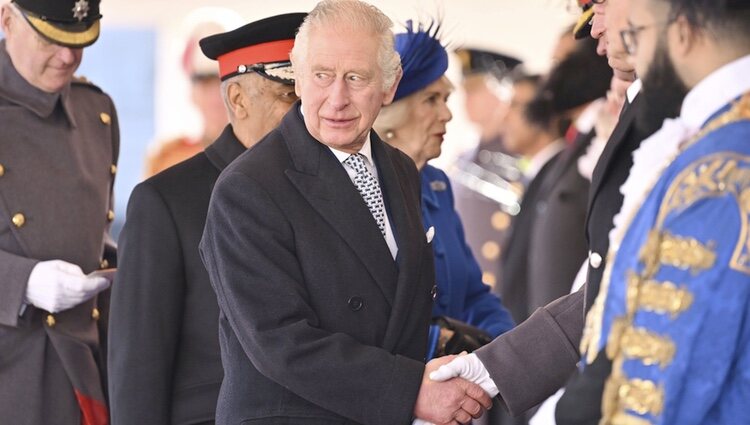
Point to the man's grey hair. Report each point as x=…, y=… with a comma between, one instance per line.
x=357, y=15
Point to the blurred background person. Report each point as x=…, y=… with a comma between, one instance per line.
x=574, y=93
x=59, y=147
x=165, y=364
x=485, y=195
x=535, y=136
x=204, y=90
x=465, y=313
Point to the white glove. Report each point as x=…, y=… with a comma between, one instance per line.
x=57, y=285
x=468, y=367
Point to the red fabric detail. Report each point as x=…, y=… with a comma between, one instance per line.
x=93, y=412
x=273, y=51
x=571, y=135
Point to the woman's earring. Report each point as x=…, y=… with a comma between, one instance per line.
x=389, y=134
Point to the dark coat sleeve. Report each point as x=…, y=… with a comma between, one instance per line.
x=251, y=259
x=146, y=312
x=532, y=361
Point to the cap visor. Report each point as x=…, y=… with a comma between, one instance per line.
x=582, y=28
x=55, y=34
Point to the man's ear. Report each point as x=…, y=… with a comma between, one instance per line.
x=236, y=100
x=391, y=92
x=5, y=16
x=684, y=37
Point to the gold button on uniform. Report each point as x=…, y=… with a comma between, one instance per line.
x=50, y=320
x=595, y=260
x=2, y=170
x=95, y=313
x=18, y=220
x=106, y=119
x=491, y=250
x=500, y=220
x=104, y=264
x=113, y=169
x=110, y=215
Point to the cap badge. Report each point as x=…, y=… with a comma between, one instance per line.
x=81, y=10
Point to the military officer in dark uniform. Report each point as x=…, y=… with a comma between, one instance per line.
x=58, y=154
x=485, y=197
x=164, y=360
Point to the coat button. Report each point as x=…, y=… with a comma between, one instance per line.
x=104, y=264
x=95, y=313
x=2, y=170
x=110, y=215
x=50, y=320
x=433, y=292
x=113, y=169
x=356, y=303
x=595, y=260
x=18, y=220
x=106, y=119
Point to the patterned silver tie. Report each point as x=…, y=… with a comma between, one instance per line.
x=369, y=188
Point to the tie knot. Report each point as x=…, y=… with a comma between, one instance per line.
x=357, y=162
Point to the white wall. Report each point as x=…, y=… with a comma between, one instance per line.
x=525, y=28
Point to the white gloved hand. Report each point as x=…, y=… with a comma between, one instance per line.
x=57, y=285
x=468, y=367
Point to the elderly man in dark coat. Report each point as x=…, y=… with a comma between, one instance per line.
x=58, y=150
x=315, y=247
x=164, y=362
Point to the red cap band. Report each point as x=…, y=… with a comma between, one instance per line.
x=273, y=51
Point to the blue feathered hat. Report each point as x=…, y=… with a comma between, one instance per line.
x=423, y=58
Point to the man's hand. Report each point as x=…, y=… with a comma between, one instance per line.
x=468, y=367
x=57, y=285
x=455, y=401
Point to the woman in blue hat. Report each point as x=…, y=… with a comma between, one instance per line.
x=466, y=314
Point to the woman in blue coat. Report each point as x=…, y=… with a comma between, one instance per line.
x=415, y=123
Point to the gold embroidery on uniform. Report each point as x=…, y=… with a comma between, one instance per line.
x=641, y=396
x=685, y=253
x=663, y=298
x=648, y=347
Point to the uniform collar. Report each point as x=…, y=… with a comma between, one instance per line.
x=16, y=89
x=225, y=149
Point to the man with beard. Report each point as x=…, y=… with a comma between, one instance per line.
x=673, y=316
x=165, y=364
x=524, y=373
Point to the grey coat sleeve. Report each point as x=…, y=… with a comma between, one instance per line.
x=15, y=270
x=532, y=361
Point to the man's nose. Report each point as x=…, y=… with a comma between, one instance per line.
x=339, y=94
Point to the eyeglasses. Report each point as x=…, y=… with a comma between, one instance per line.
x=629, y=36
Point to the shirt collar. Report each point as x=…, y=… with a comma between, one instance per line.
x=366, y=151
x=633, y=90
x=542, y=157
x=716, y=90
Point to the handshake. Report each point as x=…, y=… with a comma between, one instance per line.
x=454, y=390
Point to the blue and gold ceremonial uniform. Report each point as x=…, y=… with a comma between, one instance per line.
x=674, y=310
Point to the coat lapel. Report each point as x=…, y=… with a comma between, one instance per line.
x=323, y=182
x=619, y=135
x=405, y=216
x=225, y=149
